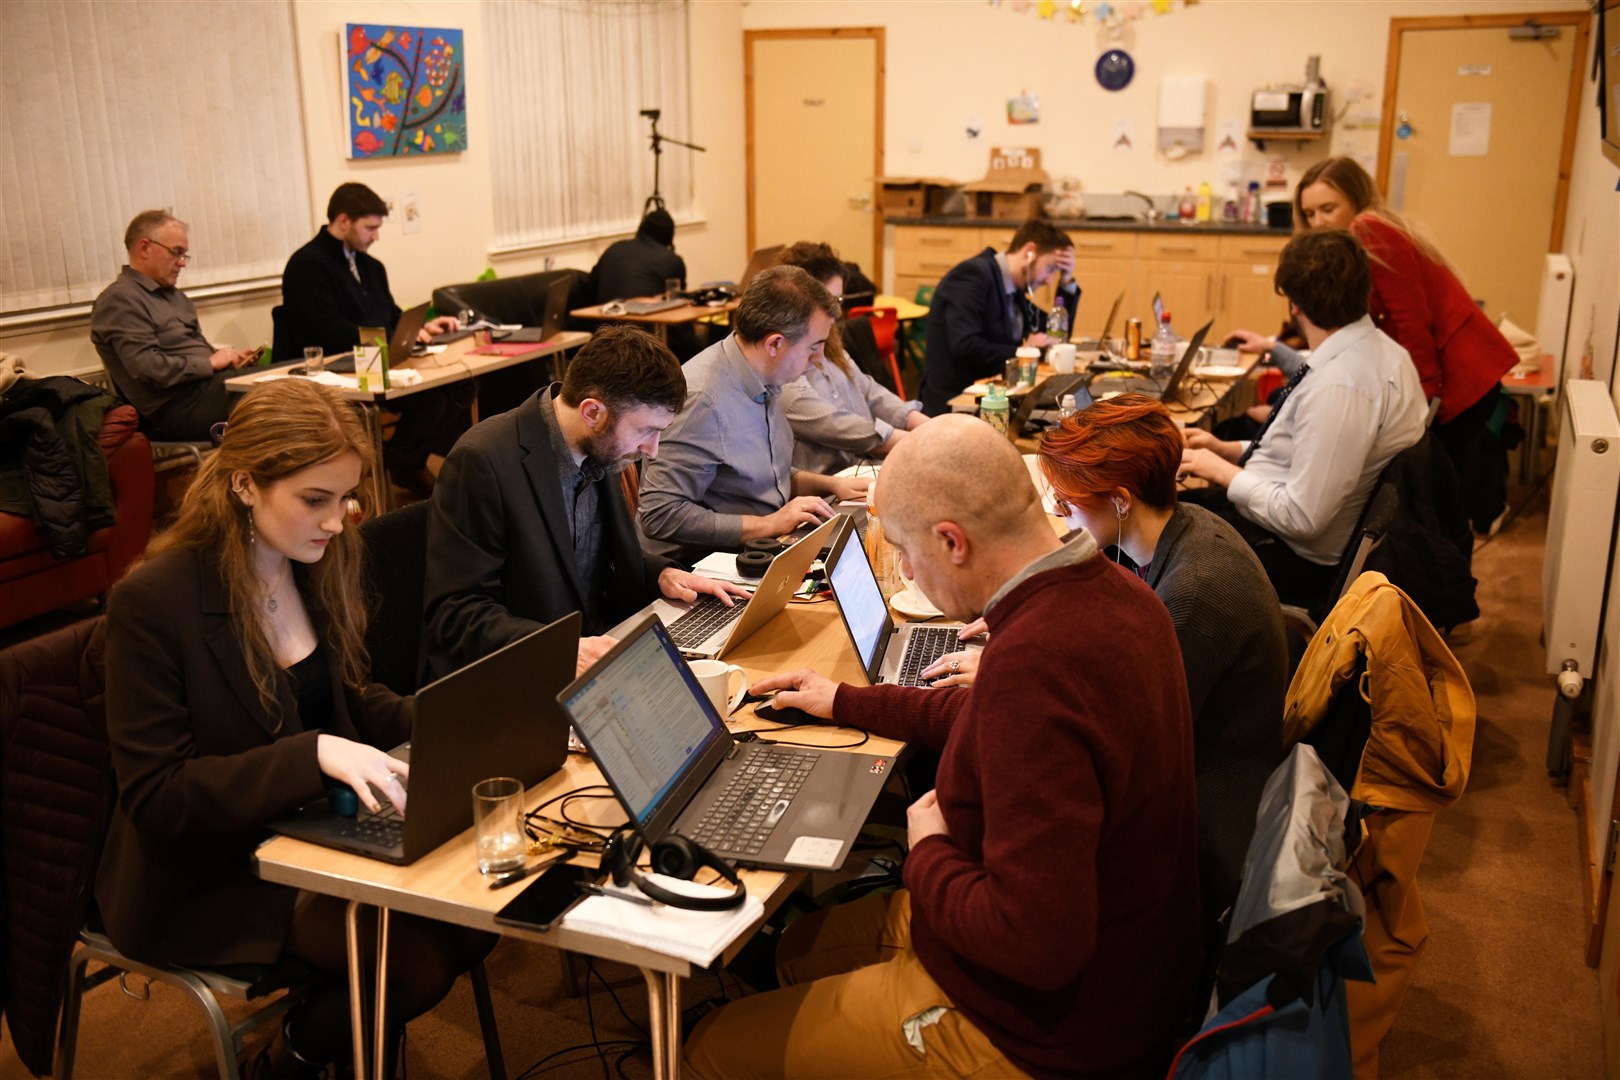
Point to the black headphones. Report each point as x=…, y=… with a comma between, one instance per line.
x=676, y=857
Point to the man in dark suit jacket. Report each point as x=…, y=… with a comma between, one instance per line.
x=981, y=312
x=330, y=289
x=529, y=518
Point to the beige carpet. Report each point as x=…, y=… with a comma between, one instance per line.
x=1502, y=990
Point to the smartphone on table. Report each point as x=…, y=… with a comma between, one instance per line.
x=547, y=898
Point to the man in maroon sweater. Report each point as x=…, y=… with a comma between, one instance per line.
x=1050, y=919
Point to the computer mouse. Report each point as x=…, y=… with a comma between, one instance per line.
x=782, y=714
x=342, y=799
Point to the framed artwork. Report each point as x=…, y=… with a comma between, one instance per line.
x=407, y=90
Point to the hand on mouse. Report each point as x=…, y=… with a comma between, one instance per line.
x=363, y=767
x=803, y=690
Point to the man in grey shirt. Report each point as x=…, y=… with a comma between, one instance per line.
x=726, y=472
x=147, y=335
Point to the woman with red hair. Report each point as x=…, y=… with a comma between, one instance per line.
x=1113, y=469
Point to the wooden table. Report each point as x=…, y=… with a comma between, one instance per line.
x=454, y=365
x=904, y=310
x=1539, y=389
x=658, y=321
x=446, y=885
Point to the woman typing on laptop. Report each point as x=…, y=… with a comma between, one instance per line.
x=236, y=690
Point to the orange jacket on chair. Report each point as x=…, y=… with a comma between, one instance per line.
x=1415, y=762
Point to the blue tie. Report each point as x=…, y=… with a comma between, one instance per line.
x=1276, y=410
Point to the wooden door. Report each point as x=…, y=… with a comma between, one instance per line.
x=814, y=101
x=1484, y=173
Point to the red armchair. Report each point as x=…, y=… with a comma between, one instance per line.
x=33, y=581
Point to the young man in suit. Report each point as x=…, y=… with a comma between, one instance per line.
x=332, y=287
x=529, y=520
x=982, y=313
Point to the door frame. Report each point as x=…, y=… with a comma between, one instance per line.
x=1580, y=20
x=876, y=33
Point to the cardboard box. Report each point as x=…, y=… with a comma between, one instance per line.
x=1012, y=186
x=915, y=195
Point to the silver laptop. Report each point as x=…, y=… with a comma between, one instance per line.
x=495, y=717
x=706, y=629
x=888, y=653
x=676, y=769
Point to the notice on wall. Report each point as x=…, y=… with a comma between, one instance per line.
x=1470, y=129
x=1229, y=135
x=1125, y=133
x=410, y=211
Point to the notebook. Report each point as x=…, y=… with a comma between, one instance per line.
x=888, y=653
x=1139, y=384
x=551, y=324
x=495, y=717
x=706, y=629
x=676, y=769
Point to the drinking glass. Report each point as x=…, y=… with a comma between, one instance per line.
x=498, y=824
x=314, y=359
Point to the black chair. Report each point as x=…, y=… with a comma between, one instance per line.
x=395, y=569
x=520, y=300
x=1376, y=519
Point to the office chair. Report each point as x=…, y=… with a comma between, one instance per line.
x=395, y=572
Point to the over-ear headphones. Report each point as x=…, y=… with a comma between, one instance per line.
x=674, y=856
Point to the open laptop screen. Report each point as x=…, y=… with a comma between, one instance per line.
x=860, y=600
x=644, y=723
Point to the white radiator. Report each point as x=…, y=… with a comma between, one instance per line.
x=1552, y=314
x=1580, y=524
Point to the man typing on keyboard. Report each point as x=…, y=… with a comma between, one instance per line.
x=1049, y=924
x=529, y=520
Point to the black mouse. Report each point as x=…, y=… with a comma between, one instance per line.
x=782, y=714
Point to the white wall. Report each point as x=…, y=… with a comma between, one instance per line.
x=454, y=191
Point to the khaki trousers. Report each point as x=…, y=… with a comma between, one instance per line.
x=851, y=988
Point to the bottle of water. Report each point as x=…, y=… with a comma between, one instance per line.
x=1162, y=356
x=1057, y=324
x=1067, y=407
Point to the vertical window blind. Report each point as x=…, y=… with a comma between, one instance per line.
x=568, y=80
x=115, y=108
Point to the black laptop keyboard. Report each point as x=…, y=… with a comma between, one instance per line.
x=741, y=820
x=385, y=828
x=707, y=616
x=927, y=644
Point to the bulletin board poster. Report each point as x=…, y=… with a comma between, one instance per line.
x=406, y=90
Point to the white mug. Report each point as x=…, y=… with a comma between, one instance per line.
x=1062, y=357
x=715, y=678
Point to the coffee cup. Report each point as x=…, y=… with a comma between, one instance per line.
x=714, y=676
x=1062, y=357
x=909, y=585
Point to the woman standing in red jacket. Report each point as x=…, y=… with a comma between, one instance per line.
x=1418, y=300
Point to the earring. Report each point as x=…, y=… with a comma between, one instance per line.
x=247, y=512
x=1119, y=528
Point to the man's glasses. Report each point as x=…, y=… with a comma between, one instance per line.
x=179, y=253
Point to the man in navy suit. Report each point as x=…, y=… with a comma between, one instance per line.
x=332, y=287
x=981, y=312
x=529, y=519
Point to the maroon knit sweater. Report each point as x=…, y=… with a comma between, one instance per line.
x=1061, y=912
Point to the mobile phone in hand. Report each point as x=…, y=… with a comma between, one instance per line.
x=547, y=898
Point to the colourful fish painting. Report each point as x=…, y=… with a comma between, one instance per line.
x=407, y=90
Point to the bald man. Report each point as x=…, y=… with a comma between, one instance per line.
x=1049, y=923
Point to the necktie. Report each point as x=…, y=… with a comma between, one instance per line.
x=1276, y=410
x=353, y=267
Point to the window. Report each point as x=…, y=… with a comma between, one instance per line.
x=112, y=109
x=568, y=82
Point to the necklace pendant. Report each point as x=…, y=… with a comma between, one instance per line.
x=273, y=604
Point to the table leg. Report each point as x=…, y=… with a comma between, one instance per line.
x=381, y=490
x=379, y=997
x=664, y=1018
x=357, y=997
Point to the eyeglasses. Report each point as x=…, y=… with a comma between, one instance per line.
x=180, y=254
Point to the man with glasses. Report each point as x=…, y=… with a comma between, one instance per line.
x=146, y=332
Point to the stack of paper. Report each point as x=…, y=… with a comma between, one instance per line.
x=694, y=936
x=722, y=566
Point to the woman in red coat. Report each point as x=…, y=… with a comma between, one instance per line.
x=1418, y=300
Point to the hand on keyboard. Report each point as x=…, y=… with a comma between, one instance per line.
x=363, y=768
x=685, y=586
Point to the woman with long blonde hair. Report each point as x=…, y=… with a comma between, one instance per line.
x=840, y=415
x=1418, y=300
x=236, y=692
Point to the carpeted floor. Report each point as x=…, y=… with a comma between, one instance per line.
x=1501, y=991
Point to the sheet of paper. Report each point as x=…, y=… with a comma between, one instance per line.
x=1470, y=129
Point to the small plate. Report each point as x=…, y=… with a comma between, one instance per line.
x=912, y=605
x=1219, y=371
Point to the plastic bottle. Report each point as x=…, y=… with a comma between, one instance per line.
x=1251, y=203
x=1162, y=355
x=993, y=409
x=1204, y=200
x=1057, y=323
x=1188, y=210
x=1067, y=407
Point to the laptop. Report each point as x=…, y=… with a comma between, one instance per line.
x=495, y=717
x=400, y=344
x=706, y=629
x=551, y=324
x=888, y=653
x=1140, y=384
x=676, y=769
x=1043, y=401
x=1102, y=342
x=762, y=259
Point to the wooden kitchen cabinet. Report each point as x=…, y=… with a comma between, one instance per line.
x=1247, y=299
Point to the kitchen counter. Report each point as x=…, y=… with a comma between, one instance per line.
x=1211, y=228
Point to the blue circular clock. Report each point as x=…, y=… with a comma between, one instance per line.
x=1115, y=68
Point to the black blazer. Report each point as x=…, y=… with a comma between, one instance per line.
x=322, y=304
x=500, y=560
x=200, y=767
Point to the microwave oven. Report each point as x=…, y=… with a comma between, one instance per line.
x=1289, y=108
